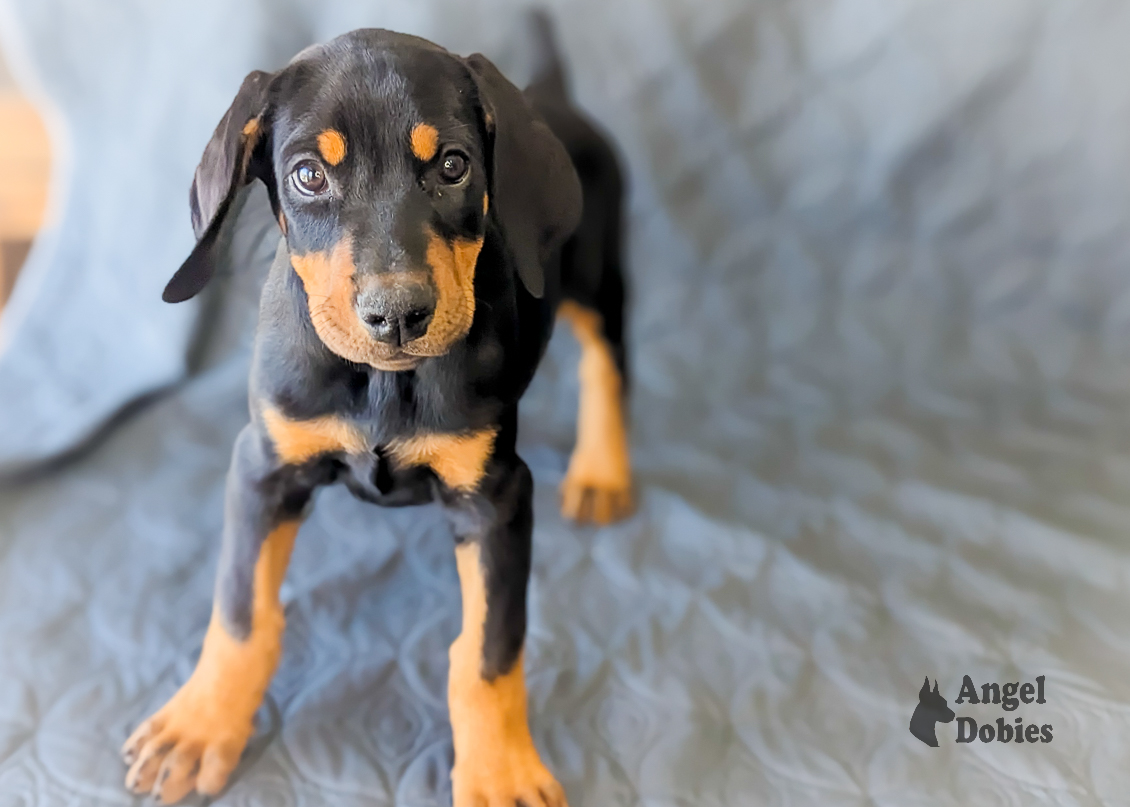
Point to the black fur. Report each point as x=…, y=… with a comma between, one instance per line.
x=373, y=85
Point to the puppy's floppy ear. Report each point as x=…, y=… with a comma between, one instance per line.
x=535, y=191
x=234, y=156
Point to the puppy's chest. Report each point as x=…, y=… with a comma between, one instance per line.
x=391, y=423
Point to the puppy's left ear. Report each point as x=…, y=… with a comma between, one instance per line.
x=535, y=191
x=234, y=156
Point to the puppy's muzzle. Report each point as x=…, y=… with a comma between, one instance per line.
x=396, y=309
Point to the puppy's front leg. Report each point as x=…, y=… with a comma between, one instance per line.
x=195, y=740
x=496, y=763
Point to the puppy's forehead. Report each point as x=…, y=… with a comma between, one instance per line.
x=370, y=91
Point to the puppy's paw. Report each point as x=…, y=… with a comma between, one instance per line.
x=191, y=744
x=518, y=779
x=596, y=498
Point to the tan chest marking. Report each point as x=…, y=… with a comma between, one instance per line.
x=458, y=459
x=331, y=145
x=296, y=441
x=425, y=141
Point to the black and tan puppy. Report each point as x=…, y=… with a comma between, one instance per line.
x=433, y=229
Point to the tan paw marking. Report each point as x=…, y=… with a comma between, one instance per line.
x=598, y=484
x=515, y=777
x=589, y=496
x=190, y=744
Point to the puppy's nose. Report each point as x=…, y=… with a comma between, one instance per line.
x=397, y=313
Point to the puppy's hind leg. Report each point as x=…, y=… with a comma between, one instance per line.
x=598, y=483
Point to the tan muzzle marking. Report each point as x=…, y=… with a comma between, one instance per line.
x=330, y=281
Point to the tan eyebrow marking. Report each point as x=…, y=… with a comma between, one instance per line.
x=331, y=144
x=425, y=141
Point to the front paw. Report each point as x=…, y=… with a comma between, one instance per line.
x=191, y=744
x=505, y=780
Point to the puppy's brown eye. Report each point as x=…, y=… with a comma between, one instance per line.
x=310, y=178
x=454, y=166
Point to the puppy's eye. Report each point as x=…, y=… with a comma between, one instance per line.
x=310, y=178
x=454, y=167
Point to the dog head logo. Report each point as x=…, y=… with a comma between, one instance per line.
x=931, y=709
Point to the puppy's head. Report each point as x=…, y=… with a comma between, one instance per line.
x=385, y=158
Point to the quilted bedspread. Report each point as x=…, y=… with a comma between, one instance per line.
x=880, y=347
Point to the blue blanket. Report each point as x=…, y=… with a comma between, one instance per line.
x=880, y=336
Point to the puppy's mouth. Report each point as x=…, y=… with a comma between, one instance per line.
x=395, y=362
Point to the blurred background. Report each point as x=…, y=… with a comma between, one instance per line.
x=880, y=356
x=23, y=192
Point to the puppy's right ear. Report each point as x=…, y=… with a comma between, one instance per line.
x=236, y=154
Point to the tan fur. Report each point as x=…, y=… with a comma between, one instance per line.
x=199, y=735
x=453, y=273
x=598, y=483
x=296, y=441
x=331, y=145
x=328, y=280
x=496, y=762
x=251, y=131
x=458, y=459
x=425, y=141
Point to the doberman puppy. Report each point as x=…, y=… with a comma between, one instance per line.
x=435, y=219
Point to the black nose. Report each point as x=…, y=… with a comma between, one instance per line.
x=397, y=313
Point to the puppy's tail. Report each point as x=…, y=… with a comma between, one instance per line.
x=547, y=73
